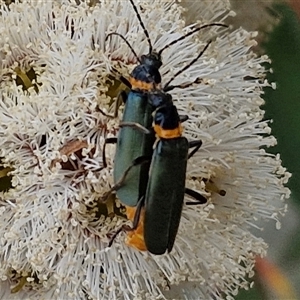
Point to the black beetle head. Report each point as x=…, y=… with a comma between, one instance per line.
x=159, y=98
x=152, y=59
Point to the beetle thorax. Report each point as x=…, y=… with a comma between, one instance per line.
x=167, y=122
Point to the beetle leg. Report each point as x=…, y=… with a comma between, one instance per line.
x=105, y=114
x=136, y=162
x=114, y=236
x=135, y=222
x=183, y=118
x=200, y=198
x=122, y=98
x=197, y=144
x=136, y=126
x=137, y=214
x=112, y=140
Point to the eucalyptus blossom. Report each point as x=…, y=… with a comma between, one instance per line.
x=59, y=80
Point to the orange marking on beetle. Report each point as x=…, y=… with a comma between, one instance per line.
x=168, y=133
x=140, y=85
x=135, y=238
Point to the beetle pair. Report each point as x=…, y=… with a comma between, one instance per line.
x=162, y=199
x=162, y=193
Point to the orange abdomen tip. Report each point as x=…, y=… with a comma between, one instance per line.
x=135, y=238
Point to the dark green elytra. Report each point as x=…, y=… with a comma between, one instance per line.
x=165, y=194
x=132, y=144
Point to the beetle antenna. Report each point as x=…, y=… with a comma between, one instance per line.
x=169, y=88
x=190, y=33
x=127, y=43
x=143, y=26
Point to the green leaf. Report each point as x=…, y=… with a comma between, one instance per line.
x=283, y=104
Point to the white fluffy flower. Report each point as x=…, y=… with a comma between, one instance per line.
x=54, y=233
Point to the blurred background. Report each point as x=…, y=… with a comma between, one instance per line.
x=278, y=276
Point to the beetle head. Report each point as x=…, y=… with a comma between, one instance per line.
x=159, y=98
x=152, y=59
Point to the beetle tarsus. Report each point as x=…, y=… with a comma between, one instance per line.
x=183, y=118
x=200, y=198
x=135, y=222
x=105, y=114
x=197, y=144
x=112, y=140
